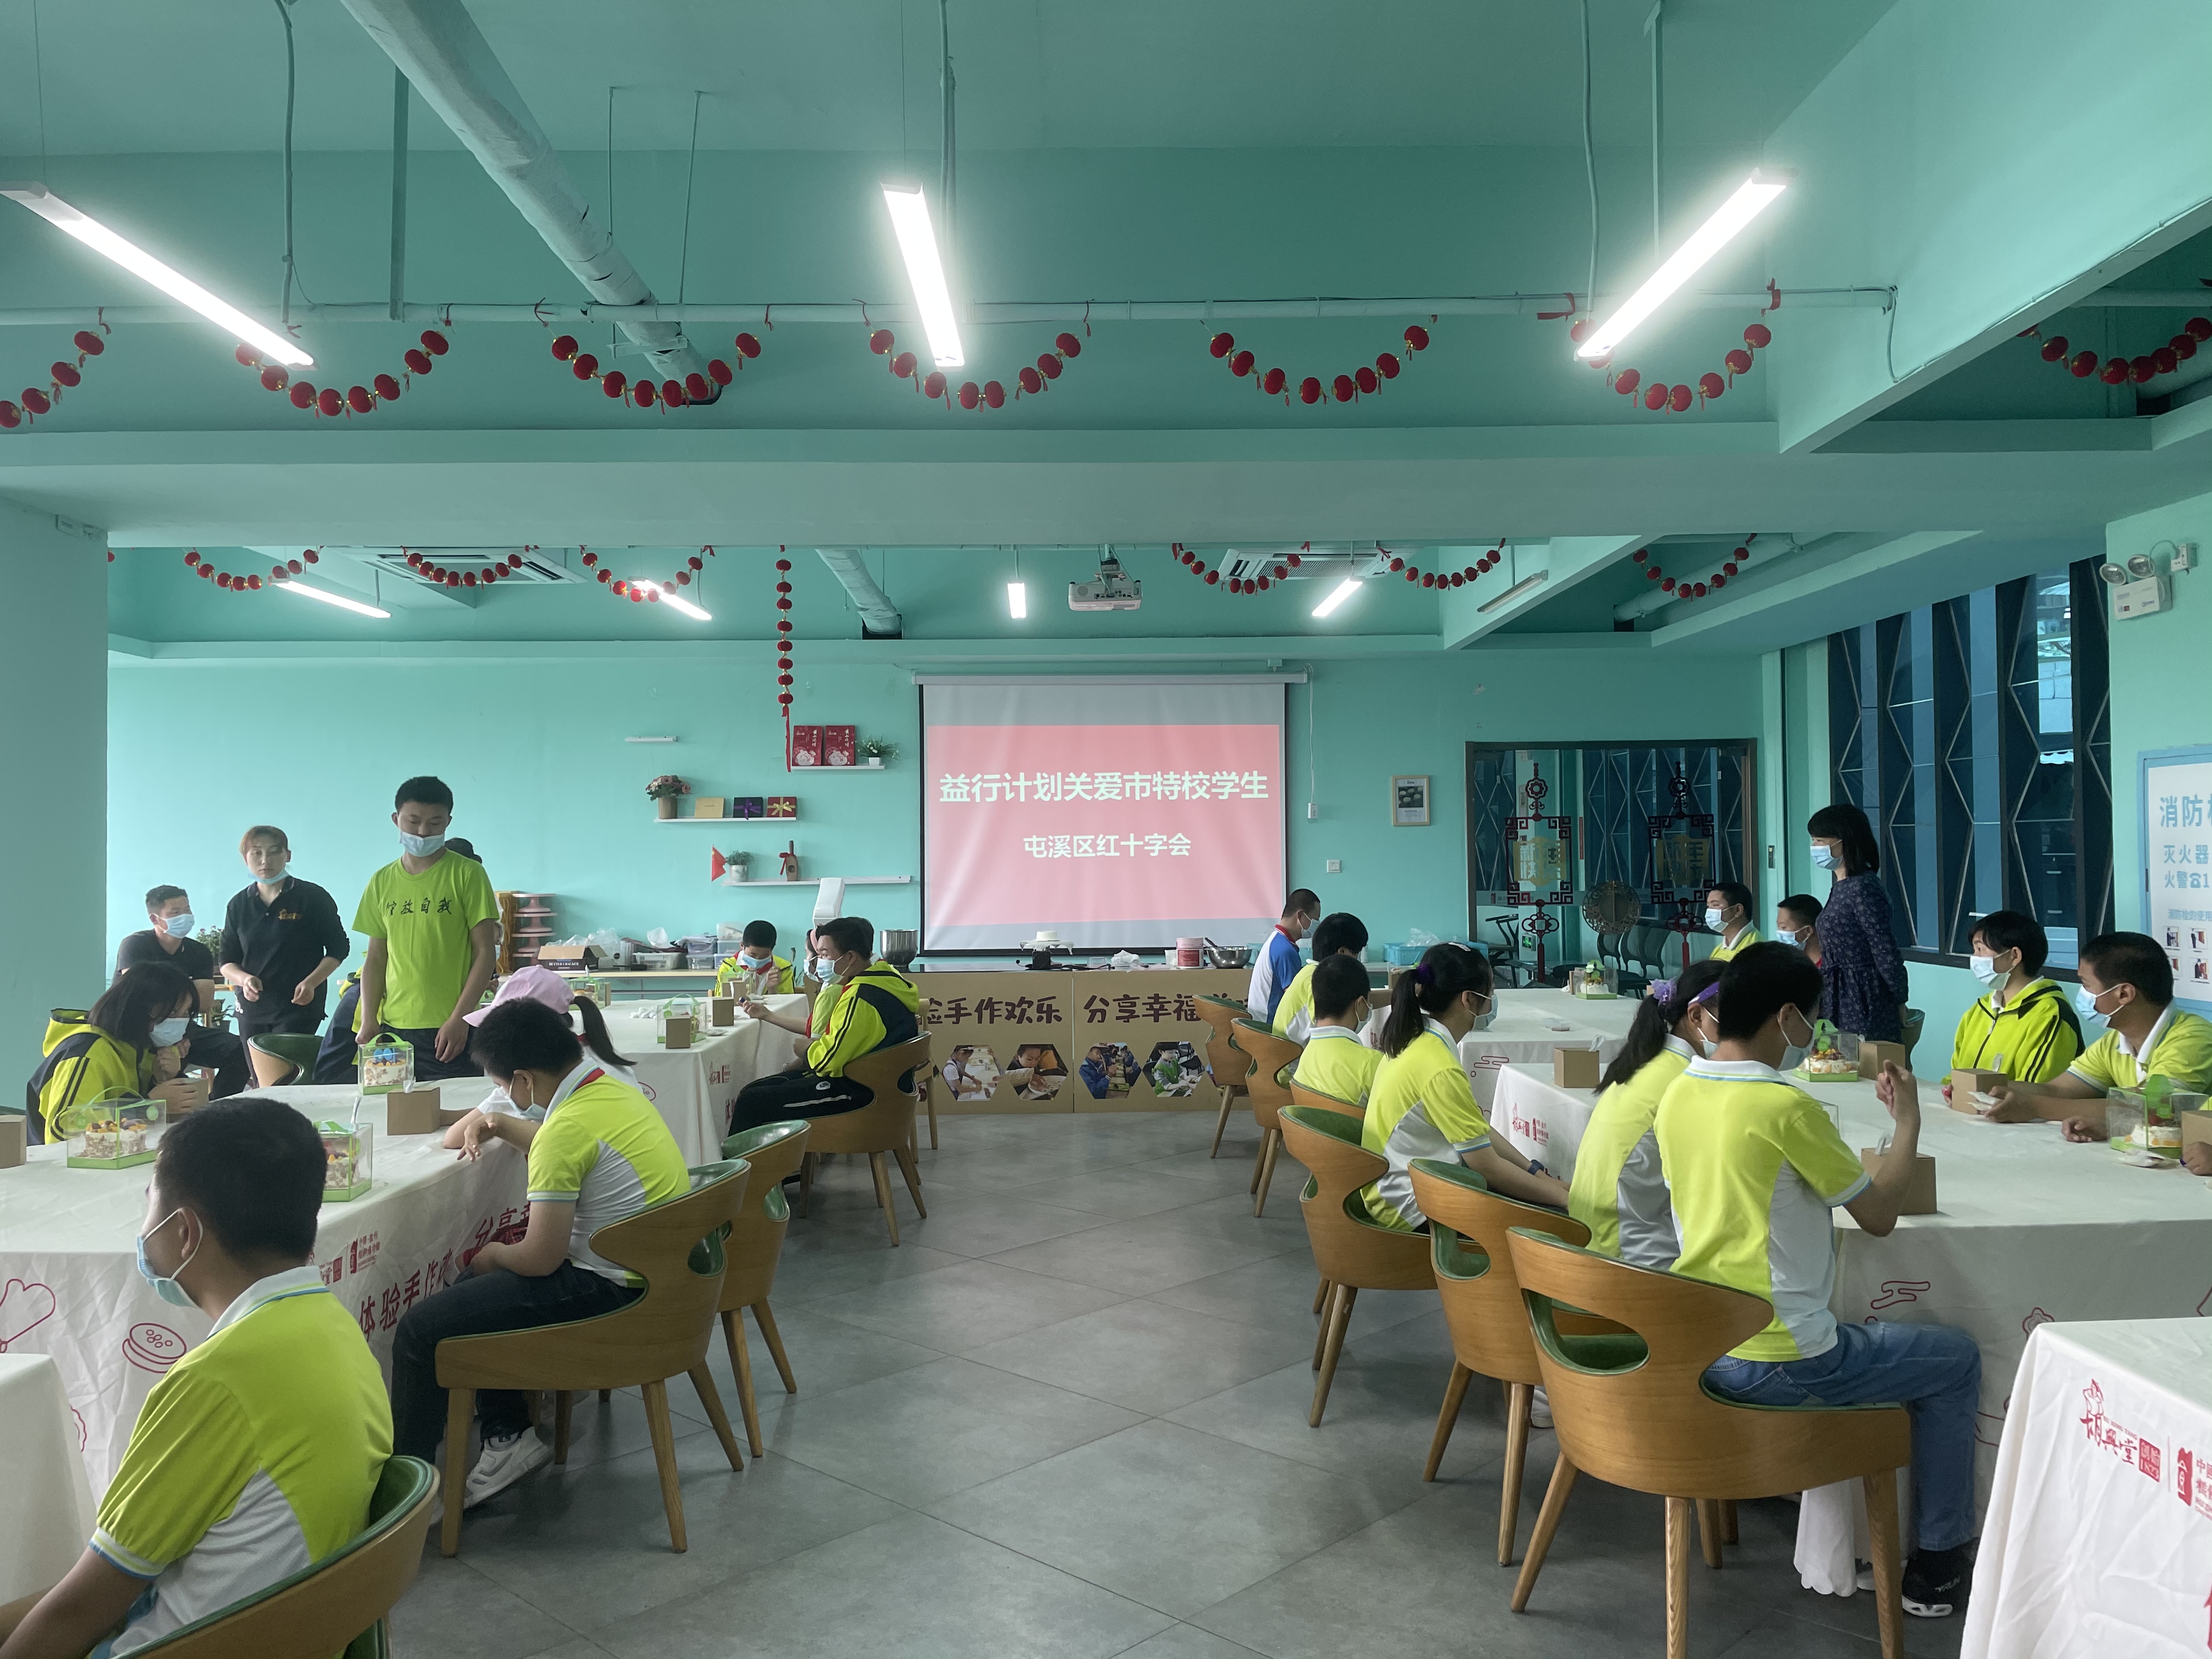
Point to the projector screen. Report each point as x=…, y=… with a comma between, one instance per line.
x=1117, y=812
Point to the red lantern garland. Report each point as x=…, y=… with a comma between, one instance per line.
x=1412, y=573
x=783, y=680
x=1685, y=589
x=1032, y=379
x=1658, y=396
x=62, y=375
x=645, y=592
x=249, y=584
x=354, y=400
x=1362, y=382
x=439, y=575
x=2118, y=371
x=671, y=393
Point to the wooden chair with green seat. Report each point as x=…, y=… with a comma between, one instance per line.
x=923, y=1085
x=1302, y=1096
x=1225, y=1061
x=675, y=1247
x=752, y=1250
x=282, y=1057
x=337, y=1605
x=1632, y=1410
x=1489, y=1336
x=1271, y=1057
x=884, y=1125
x=1353, y=1252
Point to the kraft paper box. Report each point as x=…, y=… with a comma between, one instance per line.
x=412, y=1112
x=2196, y=1129
x=1872, y=1054
x=679, y=1032
x=1575, y=1068
x=706, y=806
x=722, y=1011
x=1966, y=1081
x=13, y=1133
x=577, y=958
x=196, y=1088
x=1920, y=1191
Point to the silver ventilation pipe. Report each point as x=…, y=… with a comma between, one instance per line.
x=879, y=617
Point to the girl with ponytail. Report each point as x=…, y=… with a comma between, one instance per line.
x=1619, y=1192
x=535, y=984
x=1422, y=1103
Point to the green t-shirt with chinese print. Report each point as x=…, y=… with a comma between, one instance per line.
x=424, y=922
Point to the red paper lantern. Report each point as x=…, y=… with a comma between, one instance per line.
x=586, y=366
x=1458, y=579
x=1699, y=590
x=684, y=579
x=66, y=374
x=783, y=588
x=417, y=363
x=1653, y=572
x=1345, y=389
x=92, y=345
x=1428, y=580
x=2141, y=369
x=1050, y=366
x=247, y=355
x=1240, y=364
x=882, y=341
x=276, y=573
x=1729, y=569
x=1310, y=390
x=614, y=380
x=311, y=557
x=645, y=393
x=1030, y=380
x=434, y=343
x=671, y=393
x=696, y=387
x=695, y=562
x=1666, y=584
x=1197, y=567
x=358, y=400
x=1067, y=345
x=329, y=400
x=1759, y=336
x=970, y=394
x=2054, y=348
x=10, y=417
x=1417, y=338
x=36, y=401
x=564, y=346
x=2164, y=360
x=589, y=559
x=487, y=575
x=747, y=345
x=387, y=387
x=2084, y=364
x=1679, y=398
x=1387, y=365
x=193, y=558
x=994, y=395
x=1641, y=554
x=622, y=588
x=1720, y=581
x=1711, y=385
x=1222, y=344
x=1366, y=378
x=1738, y=360
x=636, y=594
x=904, y=364
x=2183, y=346
x=1212, y=577
x=783, y=564
x=606, y=575
x=1627, y=380
x=292, y=565
x=1396, y=565
x=2198, y=329
x=785, y=699
x=1294, y=561
x=1282, y=571
x=1656, y=397
x=932, y=384
x=718, y=371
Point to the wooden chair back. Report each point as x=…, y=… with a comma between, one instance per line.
x=1227, y=1062
x=1632, y=1409
x=340, y=1601
x=675, y=1247
x=1269, y=1055
x=1302, y=1096
x=282, y=1057
x=1467, y=1225
x=1348, y=1247
x=886, y=1122
x=755, y=1241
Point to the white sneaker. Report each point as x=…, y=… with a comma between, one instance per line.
x=1540, y=1410
x=503, y=1463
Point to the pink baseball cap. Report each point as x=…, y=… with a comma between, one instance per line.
x=532, y=984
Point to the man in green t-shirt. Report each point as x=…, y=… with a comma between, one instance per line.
x=432, y=927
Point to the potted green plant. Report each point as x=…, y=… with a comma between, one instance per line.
x=877, y=750
x=664, y=791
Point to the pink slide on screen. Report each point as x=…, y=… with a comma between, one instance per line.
x=1112, y=835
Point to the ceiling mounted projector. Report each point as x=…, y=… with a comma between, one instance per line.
x=1110, y=590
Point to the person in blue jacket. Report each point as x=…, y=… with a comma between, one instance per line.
x=1279, y=961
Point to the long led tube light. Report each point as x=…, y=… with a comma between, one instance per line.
x=1752, y=198
x=144, y=266
x=1343, y=591
x=295, y=586
x=1018, y=600
x=1518, y=588
x=932, y=297
x=669, y=596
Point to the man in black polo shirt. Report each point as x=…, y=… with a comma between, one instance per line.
x=282, y=938
x=211, y=1047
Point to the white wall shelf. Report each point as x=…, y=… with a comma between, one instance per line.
x=665, y=822
x=816, y=881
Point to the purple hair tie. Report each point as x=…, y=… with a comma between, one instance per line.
x=1424, y=974
x=1661, y=990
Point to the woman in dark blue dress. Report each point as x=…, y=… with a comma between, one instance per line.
x=1859, y=958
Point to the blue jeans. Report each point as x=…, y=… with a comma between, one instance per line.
x=1932, y=1370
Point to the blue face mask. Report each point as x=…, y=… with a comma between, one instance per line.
x=2086, y=1003
x=167, y=1288
x=1823, y=858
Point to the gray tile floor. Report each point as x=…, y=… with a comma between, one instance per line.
x=1066, y=1421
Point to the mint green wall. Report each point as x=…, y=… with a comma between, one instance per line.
x=54, y=841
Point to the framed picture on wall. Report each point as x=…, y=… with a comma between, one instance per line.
x=1409, y=801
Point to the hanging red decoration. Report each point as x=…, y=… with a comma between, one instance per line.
x=783, y=680
x=1281, y=569
x=1363, y=382
x=1689, y=588
x=645, y=391
x=354, y=400
x=2118, y=371
x=62, y=375
x=1658, y=396
x=1032, y=378
x=238, y=582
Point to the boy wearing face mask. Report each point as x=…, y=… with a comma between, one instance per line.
x=756, y=959
x=1278, y=957
x=1334, y=1061
x=208, y=1048
x=432, y=927
x=874, y=1006
x=282, y=938
x=2023, y=1025
x=1728, y=913
x=1796, y=921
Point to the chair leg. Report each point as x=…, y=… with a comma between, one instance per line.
x=1679, y=1511
x=1328, y=1313
x=884, y=1194
x=1888, y=1568
x=773, y=1338
x=1221, y=1123
x=1727, y=1521
x=1523, y=1399
x=805, y=1184
x=1267, y=1155
x=460, y=1415
x=932, y=1120
x=1321, y=1295
x=562, y=1402
x=663, y=1455
x=1455, y=1391
x=711, y=1398
x=605, y=1395
x=1340, y=1319
x=1709, y=1530
x=912, y=1171
x=1564, y=1473
x=741, y=1365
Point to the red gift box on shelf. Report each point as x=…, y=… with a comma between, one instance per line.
x=806, y=745
x=840, y=745
x=783, y=807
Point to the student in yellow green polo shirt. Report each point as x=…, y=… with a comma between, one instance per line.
x=1756, y=1169
x=1338, y=934
x=866, y=1005
x=1728, y=913
x=432, y=927
x=600, y=1155
x=1334, y=1061
x=2024, y=1026
x=756, y=957
x=1422, y=1103
x=1619, y=1191
x=2128, y=982
x=257, y=1453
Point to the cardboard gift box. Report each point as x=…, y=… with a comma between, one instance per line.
x=721, y=1012
x=14, y=1134
x=570, y=958
x=748, y=806
x=706, y=806
x=2196, y=1129
x=1575, y=1068
x=841, y=744
x=783, y=807
x=1966, y=1081
x=1920, y=1191
x=1872, y=1054
x=413, y=1111
x=677, y=1032
x=806, y=745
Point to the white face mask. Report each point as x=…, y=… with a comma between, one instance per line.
x=168, y=1033
x=422, y=847
x=1712, y=920
x=178, y=926
x=1794, y=1055
x=1985, y=969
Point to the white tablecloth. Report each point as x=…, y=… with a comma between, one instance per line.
x=69, y=1284
x=2099, y=1535
x=2029, y=1230
x=1527, y=1026
x=693, y=1087
x=45, y=1501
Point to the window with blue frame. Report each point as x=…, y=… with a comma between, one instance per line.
x=1976, y=734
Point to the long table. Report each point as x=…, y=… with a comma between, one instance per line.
x=45, y=1501
x=693, y=1087
x=2029, y=1229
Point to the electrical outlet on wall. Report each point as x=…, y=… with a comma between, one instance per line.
x=1334, y=867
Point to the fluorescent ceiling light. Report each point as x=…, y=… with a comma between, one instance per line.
x=1519, y=588
x=1343, y=591
x=144, y=266
x=1018, y=600
x=295, y=586
x=670, y=596
x=1750, y=200
x=926, y=272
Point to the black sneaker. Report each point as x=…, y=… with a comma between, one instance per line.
x=1935, y=1581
